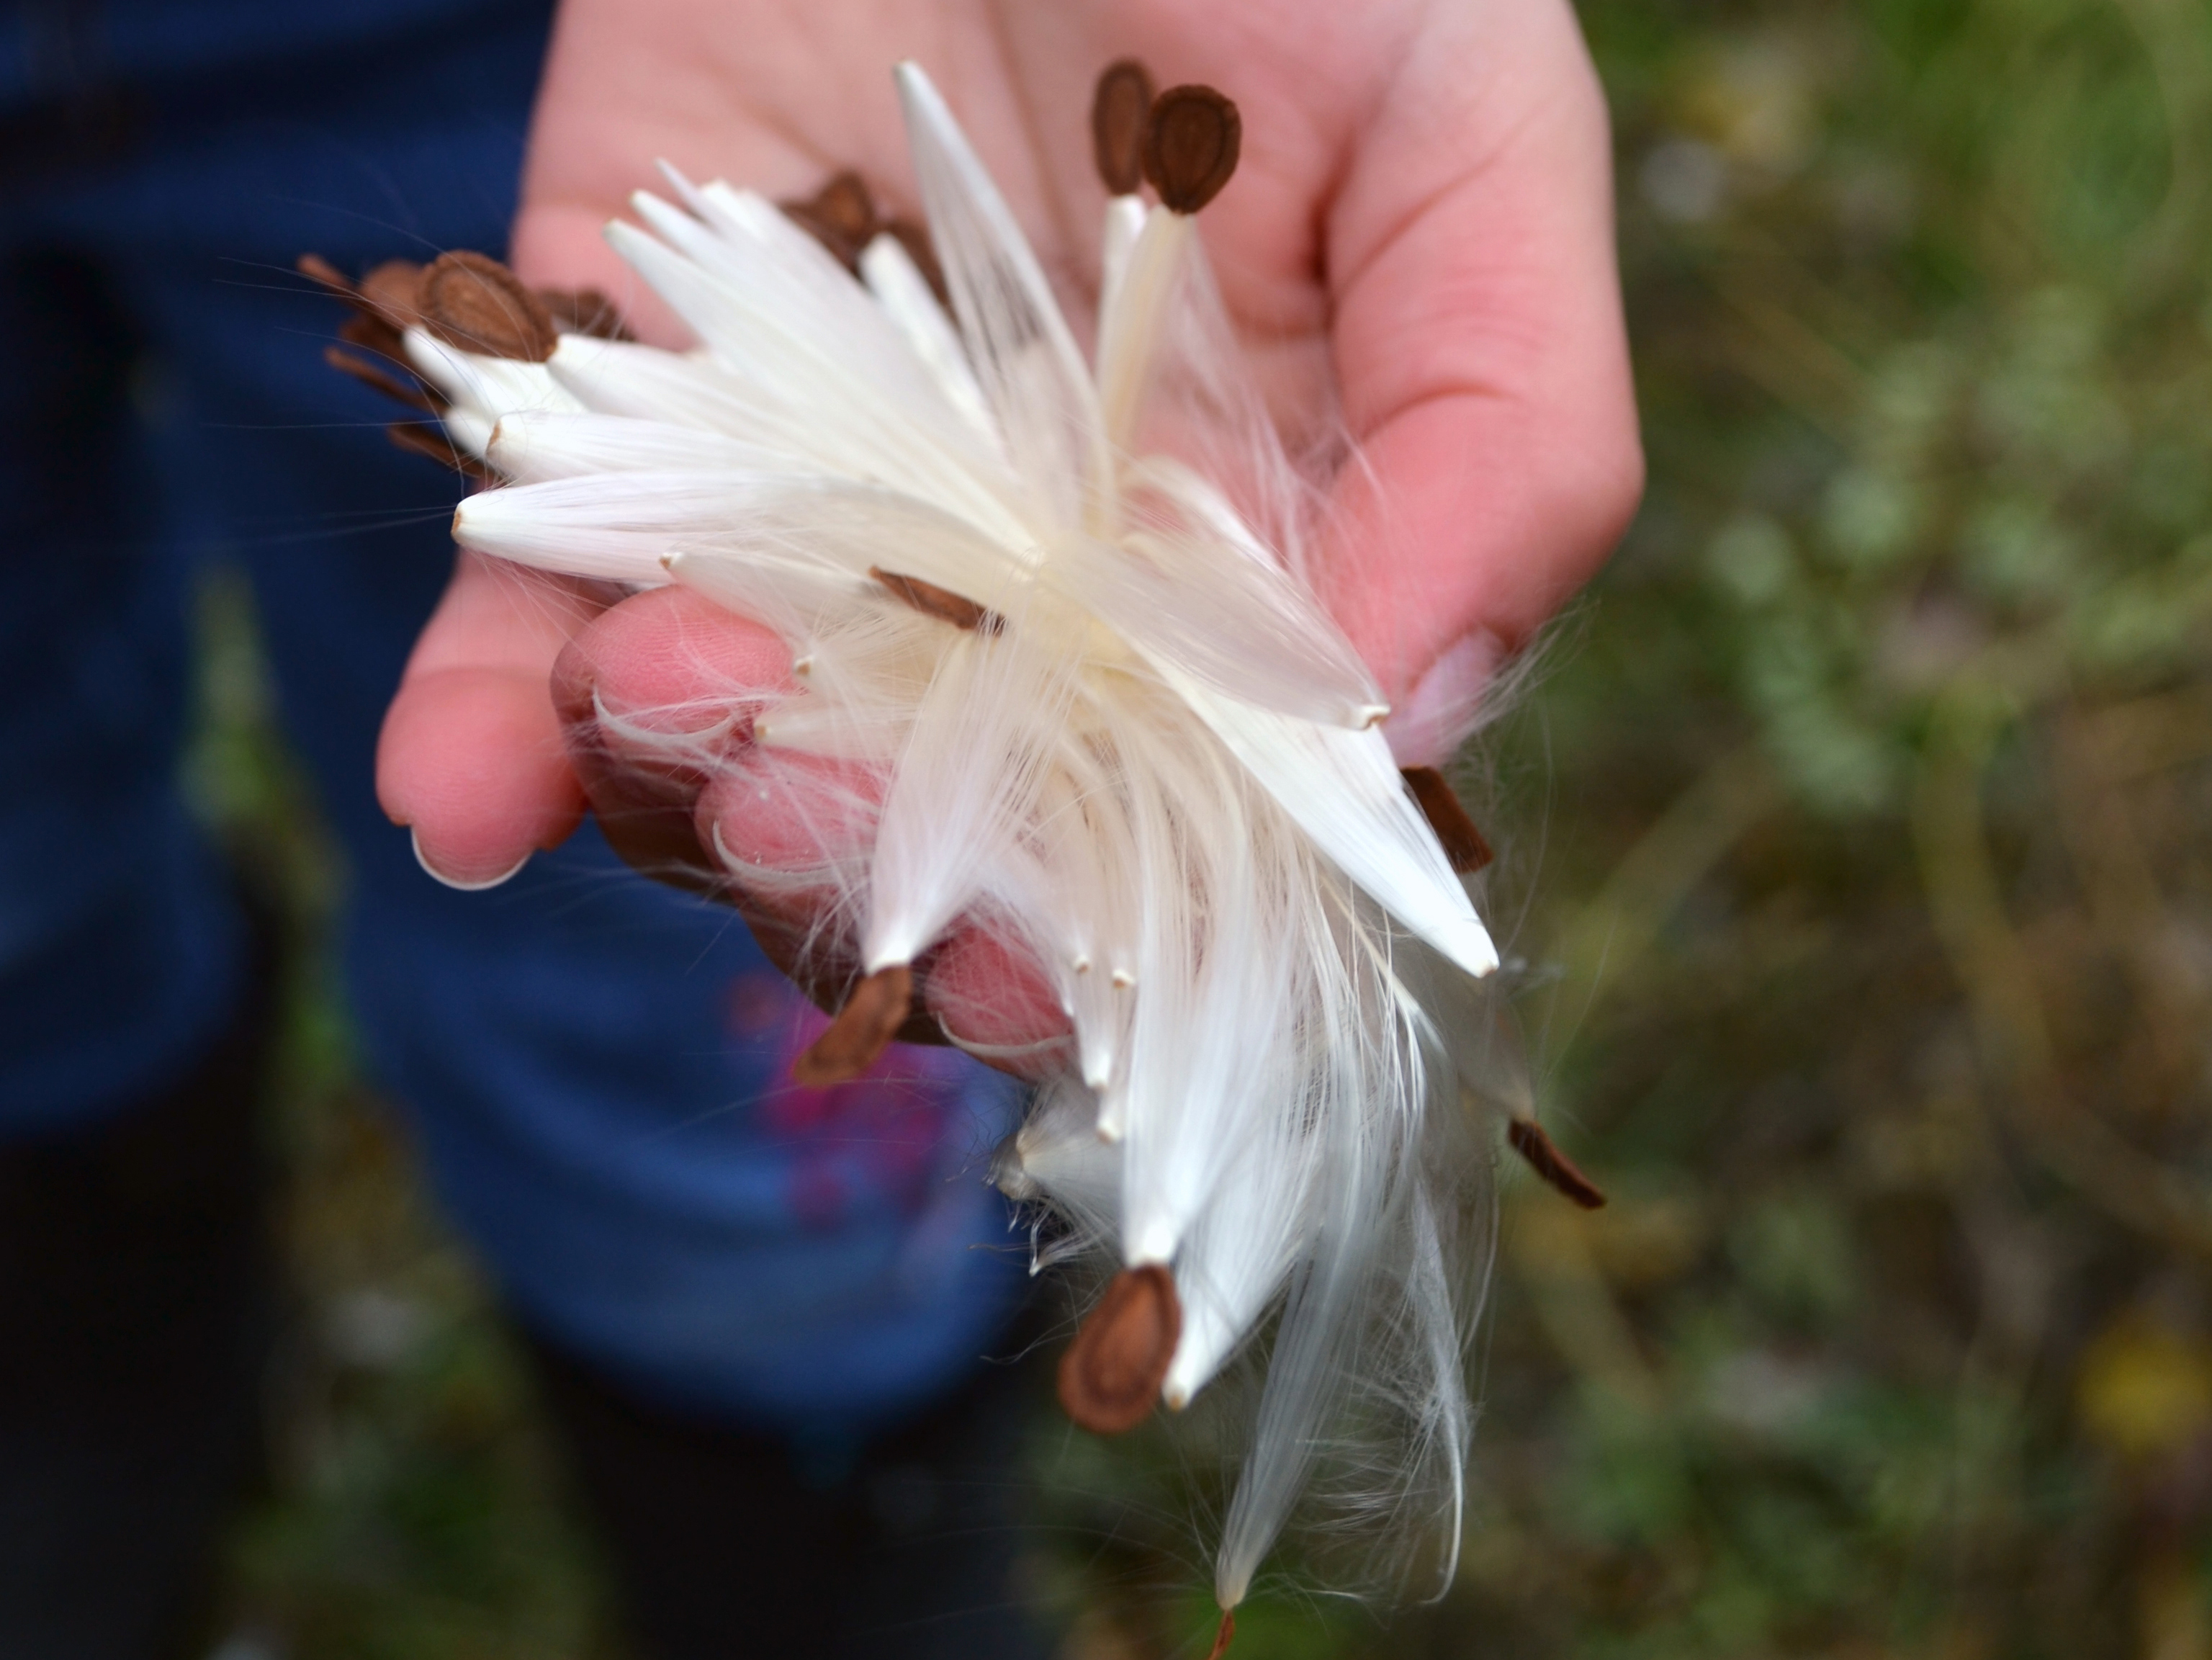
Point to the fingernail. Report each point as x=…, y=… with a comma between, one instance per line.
x=1435, y=717
x=415, y=839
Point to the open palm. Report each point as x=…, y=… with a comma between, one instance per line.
x=1418, y=243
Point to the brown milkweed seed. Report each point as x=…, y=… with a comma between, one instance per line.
x=1111, y=1374
x=393, y=293
x=855, y=1038
x=1191, y=144
x=941, y=602
x=583, y=311
x=373, y=334
x=840, y=215
x=1462, y=842
x=424, y=439
x=383, y=305
x=472, y=302
x=1544, y=1158
x=319, y=269
x=1121, y=109
x=377, y=381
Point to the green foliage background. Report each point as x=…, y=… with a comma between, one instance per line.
x=1856, y=829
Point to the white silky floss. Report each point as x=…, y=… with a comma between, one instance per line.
x=1156, y=767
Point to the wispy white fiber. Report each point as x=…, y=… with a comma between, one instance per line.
x=903, y=292
x=1124, y=738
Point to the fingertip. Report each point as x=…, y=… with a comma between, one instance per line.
x=672, y=657
x=1445, y=702
x=470, y=762
x=788, y=812
x=992, y=999
x=459, y=883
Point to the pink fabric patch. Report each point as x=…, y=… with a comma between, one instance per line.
x=882, y=1134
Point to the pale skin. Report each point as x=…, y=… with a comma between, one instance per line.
x=1419, y=243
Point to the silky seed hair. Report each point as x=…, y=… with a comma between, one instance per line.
x=1059, y=677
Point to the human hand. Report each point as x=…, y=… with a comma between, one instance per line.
x=1419, y=240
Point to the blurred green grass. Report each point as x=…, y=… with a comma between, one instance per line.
x=1855, y=831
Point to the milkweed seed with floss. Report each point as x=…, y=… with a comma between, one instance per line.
x=1052, y=612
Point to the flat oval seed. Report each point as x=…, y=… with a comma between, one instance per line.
x=376, y=379
x=386, y=295
x=1121, y=109
x=1110, y=1377
x=840, y=215
x=472, y=302
x=1463, y=843
x=1544, y=1158
x=424, y=439
x=943, y=604
x=1191, y=145
x=870, y=1019
x=845, y=207
x=584, y=311
x=394, y=292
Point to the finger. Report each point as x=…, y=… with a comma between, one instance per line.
x=793, y=835
x=615, y=96
x=654, y=696
x=793, y=832
x=790, y=836
x=992, y=999
x=471, y=757
x=1480, y=347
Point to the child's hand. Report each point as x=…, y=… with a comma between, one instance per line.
x=1418, y=242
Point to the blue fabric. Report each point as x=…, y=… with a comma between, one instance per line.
x=118, y=951
x=597, y=1066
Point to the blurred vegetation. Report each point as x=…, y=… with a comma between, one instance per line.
x=1876, y=877
x=412, y=1508
x=1861, y=820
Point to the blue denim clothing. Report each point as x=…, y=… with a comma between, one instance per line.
x=596, y=1067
